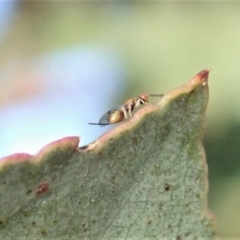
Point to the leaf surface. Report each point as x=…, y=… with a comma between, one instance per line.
x=145, y=179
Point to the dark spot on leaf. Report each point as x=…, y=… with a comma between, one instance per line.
x=2, y=221
x=113, y=178
x=84, y=226
x=29, y=191
x=99, y=153
x=192, y=92
x=33, y=223
x=179, y=237
x=149, y=222
x=197, y=196
x=4, y=182
x=84, y=147
x=43, y=232
x=169, y=226
x=42, y=188
x=94, y=221
x=25, y=214
x=167, y=187
x=135, y=140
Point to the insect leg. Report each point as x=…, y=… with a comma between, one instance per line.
x=124, y=112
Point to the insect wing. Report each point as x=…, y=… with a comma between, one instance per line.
x=106, y=117
x=110, y=117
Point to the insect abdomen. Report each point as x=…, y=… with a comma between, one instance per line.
x=116, y=116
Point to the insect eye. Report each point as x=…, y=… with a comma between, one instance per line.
x=144, y=97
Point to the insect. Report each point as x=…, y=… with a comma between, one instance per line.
x=118, y=114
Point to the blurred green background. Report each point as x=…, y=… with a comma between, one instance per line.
x=159, y=47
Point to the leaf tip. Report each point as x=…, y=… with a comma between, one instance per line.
x=201, y=77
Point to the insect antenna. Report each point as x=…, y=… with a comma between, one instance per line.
x=101, y=124
x=156, y=95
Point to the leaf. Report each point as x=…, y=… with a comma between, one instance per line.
x=145, y=179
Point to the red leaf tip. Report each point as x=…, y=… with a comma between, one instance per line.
x=204, y=73
x=201, y=77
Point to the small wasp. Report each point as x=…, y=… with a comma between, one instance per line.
x=118, y=114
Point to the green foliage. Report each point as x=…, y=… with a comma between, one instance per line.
x=146, y=179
